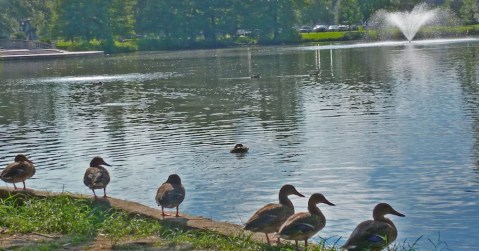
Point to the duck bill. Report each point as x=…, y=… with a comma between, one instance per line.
x=328, y=202
x=299, y=194
x=106, y=164
x=397, y=213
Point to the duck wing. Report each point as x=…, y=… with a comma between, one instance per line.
x=300, y=225
x=15, y=171
x=369, y=235
x=169, y=195
x=270, y=216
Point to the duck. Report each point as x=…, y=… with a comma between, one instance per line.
x=270, y=217
x=170, y=194
x=96, y=176
x=375, y=234
x=18, y=171
x=255, y=76
x=239, y=148
x=303, y=225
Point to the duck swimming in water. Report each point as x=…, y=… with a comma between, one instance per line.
x=18, y=171
x=270, y=217
x=374, y=234
x=170, y=194
x=303, y=225
x=239, y=148
x=96, y=176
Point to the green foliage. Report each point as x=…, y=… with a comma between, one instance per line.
x=332, y=36
x=170, y=24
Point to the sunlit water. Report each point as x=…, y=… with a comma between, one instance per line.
x=396, y=124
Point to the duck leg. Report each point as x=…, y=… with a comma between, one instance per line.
x=278, y=241
x=104, y=192
x=94, y=192
x=267, y=238
x=163, y=212
x=14, y=187
x=24, y=187
x=297, y=246
x=306, y=244
x=177, y=214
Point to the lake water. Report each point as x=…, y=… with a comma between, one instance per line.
x=392, y=122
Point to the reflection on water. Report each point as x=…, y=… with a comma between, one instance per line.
x=396, y=124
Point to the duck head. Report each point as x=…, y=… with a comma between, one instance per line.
x=382, y=209
x=174, y=179
x=98, y=161
x=319, y=198
x=288, y=190
x=22, y=157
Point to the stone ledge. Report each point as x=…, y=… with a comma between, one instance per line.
x=187, y=222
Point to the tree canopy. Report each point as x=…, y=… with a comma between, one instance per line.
x=196, y=21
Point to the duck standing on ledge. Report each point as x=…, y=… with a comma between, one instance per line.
x=269, y=218
x=302, y=226
x=374, y=234
x=170, y=194
x=96, y=176
x=18, y=171
x=239, y=148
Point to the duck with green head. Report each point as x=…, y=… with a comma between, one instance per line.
x=270, y=217
x=96, y=176
x=18, y=171
x=303, y=225
x=376, y=234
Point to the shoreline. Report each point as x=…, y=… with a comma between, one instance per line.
x=19, y=54
x=185, y=221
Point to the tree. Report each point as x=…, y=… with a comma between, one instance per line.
x=349, y=12
x=469, y=11
x=87, y=19
x=122, y=17
x=318, y=12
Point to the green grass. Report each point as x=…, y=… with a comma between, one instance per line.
x=80, y=221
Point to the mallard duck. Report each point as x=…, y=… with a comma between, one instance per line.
x=255, y=76
x=170, y=194
x=269, y=218
x=18, y=171
x=303, y=225
x=96, y=176
x=239, y=148
x=374, y=234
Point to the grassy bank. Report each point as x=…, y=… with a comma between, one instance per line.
x=70, y=223
x=155, y=44
x=85, y=224
x=428, y=32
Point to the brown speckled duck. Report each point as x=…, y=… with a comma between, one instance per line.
x=303, y=225
x=18, y=171
x=239, y=148
x=170, y=194
x=96, y=176
x=374, y=234
x=269, y=218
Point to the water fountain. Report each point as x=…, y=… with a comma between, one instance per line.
x=409, y=22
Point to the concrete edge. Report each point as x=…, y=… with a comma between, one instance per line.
x=185, y=221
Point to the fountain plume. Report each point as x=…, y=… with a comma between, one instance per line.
x=409, y=22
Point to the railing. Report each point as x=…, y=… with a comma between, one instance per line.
x=24, y=44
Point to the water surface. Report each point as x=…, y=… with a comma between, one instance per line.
x=396, y=124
